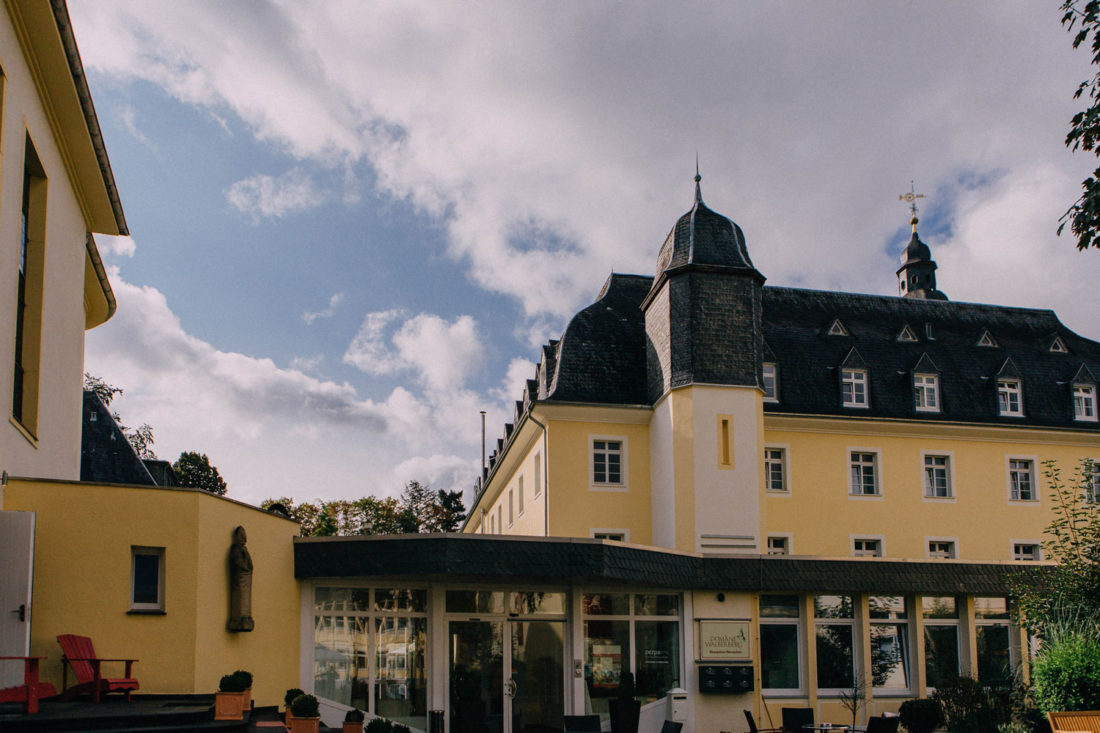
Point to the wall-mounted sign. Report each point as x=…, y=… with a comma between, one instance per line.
x=725, y=640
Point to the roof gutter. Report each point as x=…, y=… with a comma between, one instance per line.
x=101, y=275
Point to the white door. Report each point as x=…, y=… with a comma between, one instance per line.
x=17, y=559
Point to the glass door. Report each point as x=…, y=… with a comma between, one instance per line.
x=536, y=688
x=476, y=657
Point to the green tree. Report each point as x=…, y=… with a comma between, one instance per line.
x=1082, y=19
x=449, y=511
x=417, y=506
x=140, y=438
x=105, y=392
x=194, y=469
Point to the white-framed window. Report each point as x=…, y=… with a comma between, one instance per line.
x=1091, y=471
x=1084, y=402
x=863, y=473
x=940, y=548
x=1027, y=551
x=926, y=392
x=781, y=645
x=615, y=534
x=891, y=658
x=941, y=639
x=519, y=493
x=146, y=579
x=867, y=547
x=608, y=462
x=538, y=474
x=1021, y=479
x=937, y=476
x=775, y=469
x=992, y=625
x=511, y=507
x=834, y=629
x=1010, y=400
x=853, y=388
x=779, y=544
x=771, y=382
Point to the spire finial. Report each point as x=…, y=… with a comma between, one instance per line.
x=911, y=199
x=698, y=190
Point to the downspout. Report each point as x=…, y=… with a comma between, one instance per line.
x=545, y=478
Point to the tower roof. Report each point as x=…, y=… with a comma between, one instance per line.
x=704, y=237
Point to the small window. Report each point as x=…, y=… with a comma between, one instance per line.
x=771, y=383
x=511, y=507
x=1084, y=402
x=607, y=462
x=937, y=477
x=853, y=387
x=500, y=523
x=941, y=549
x=987, y=340
x=926, y=392
x=906, y=335
x=864, y=474
x=1021, y=479
x=1026, y=551
x=613, y=536
x=1058, y=346
x=775, y=469
x=519, y=493
x=838, y=329
x=1091, y=471
x=866, y=547
x=538, y=474
x=147, y=579
x=1010, y=397
x=779, y=545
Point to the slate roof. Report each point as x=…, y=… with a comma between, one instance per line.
x=601, y=356
x=106, y=457
x=496, y=558
x=704, y=237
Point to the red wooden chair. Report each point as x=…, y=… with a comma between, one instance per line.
x=31, y=691
x=78, y=653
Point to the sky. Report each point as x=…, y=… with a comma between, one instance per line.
x=354, y=224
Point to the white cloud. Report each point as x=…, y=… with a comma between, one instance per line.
x=335, y=300
x=511, y=389
x=443, y=354
x=129, y=121
x=439, y=471
x=264, y=196
x=117, y=246
x=307, y=363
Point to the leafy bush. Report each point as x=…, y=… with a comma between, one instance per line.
x=1066, y=674
x=379, y=725
x=305, y=706
x=244, y=677
x=398, y=728
x=966, y=707
x=232, y=683
x=355, y=715
x=292, y=693
x=1013, y=728
x=920, y=716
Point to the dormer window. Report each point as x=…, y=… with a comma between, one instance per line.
x=1057, y=346
x=926, y=392
x=1084, y=402
x=1010, y=398
x=771, y=383
x=987, y=340
x=838, y=329
x=906, y=335
x=853, y=387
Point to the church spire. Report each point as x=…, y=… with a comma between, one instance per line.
x=698, y=188
x=917, y=274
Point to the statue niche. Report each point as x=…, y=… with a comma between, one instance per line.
x=240, y=584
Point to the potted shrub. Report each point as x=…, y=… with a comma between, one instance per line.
x=245, y=679
x=288, y=698
x=305, y=714
x=353, y=721
x=625, y=710
x=920, y=716
x=380, y=725
x=229, y=700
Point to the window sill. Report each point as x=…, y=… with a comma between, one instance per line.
x=1024, y=502
x=24, y=431
x=608, y=487
x=939, y=499
x=866, y=497
x=146, y=612
x=777, y=492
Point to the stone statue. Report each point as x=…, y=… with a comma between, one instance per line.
x=240, y=584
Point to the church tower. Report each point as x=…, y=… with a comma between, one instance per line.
x=704, y=362
x=917, y=274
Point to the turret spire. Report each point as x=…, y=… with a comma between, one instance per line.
x=698, y=189
x=917, y=275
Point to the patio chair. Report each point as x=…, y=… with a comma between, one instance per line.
x=754, y=729
x=795, y=718
x=79, y=653
x=883, y=724
x=671, y=726
x=31, y=691
x=1084, y=720
x=582, y=724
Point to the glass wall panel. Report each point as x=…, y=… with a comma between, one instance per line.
x=834, y=656
x=525, y=602
x=476, y=654
x=606, y=604
x=400, y=599
x=779, y=607
x=657, y=604
x=340, y=671
x=606, y=657
x=341, y=600
x=657, y=646
x=779, y=656
x=475, y=601
x=941, y=653
x=994, y=667
x=890, y=657
x=401, y=679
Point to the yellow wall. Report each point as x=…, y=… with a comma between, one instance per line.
x=83, y=537
x=817, y=460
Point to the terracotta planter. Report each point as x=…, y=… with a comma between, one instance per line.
x=229, y=706
x=353, y=727
x=304, y=725
x=289, y=717
x=248, y=699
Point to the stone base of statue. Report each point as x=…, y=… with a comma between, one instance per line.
x=241, y=623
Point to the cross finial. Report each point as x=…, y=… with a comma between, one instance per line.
x=698, y=189
x=911, y=199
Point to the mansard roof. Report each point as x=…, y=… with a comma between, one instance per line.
x=601, y=356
